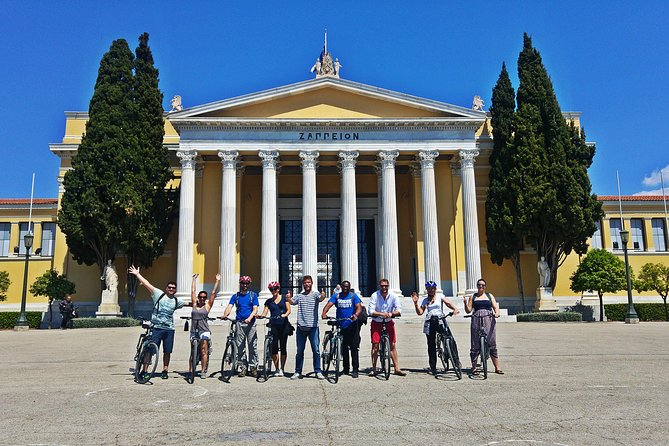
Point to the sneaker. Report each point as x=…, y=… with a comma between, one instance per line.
x=254, y=372
x=372, y=373
x=242, y=373
x=296, y=375
x=344, y=372
x=278, y=373
x=433, y=372
x=354, y=375
x=146, y=376
x=164, y=374
x=319, y=375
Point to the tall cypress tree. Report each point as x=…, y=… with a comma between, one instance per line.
x=549, y=169
x=90, y=207
x=503, y=238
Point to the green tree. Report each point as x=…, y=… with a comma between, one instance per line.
x=599, y=271
x=654, y=276
x=91, y=208
x=54, y=286
x=503, y=238
x=555, y=206
x=4, y=284
x=150, y=208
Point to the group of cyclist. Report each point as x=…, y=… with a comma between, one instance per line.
x=383, y=306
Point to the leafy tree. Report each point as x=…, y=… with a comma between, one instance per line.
x=54, y=286
x=150, y=208
x=654, y=276
x=599, y=271
x=555, y=206
x=503, y=238
x=91, y=209
x=4, y=284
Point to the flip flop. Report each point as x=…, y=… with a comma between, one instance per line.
x=499, y=372
x=400, y=373
x=475, y=372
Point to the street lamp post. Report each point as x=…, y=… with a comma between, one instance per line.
x=631, y=317
x=22, y=322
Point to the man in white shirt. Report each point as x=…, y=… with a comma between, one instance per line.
x=383, y=305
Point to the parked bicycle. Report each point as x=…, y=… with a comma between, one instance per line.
x=332, y=348
x=229, y=362
x=484, y=352
x=447, y=349
x=146, y=357
x=196, y=345
x=384, y=350
x=266, y=370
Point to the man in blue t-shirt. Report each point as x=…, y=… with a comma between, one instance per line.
x=348, y=306
x=247, y=308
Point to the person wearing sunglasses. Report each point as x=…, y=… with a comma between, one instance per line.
x=246, y=303
x=201, y=307
x=483, y=304
x=279, y=308
x=165, y=303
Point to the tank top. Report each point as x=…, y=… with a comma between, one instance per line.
x=481, y=304
x=200, y=322
x=433, y=309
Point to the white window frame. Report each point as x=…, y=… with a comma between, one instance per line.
x=659, y=229
x=48, y=244
x=597, y=242
x=5, y=247
x=616, y=241
x=636, y=235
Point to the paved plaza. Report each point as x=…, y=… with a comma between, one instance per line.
x=565, y=384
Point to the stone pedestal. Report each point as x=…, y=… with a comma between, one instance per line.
x=591, y=300
x=545, y=300
x=109, y=306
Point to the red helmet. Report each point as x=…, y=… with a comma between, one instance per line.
x=245, y=279
x=273, y=285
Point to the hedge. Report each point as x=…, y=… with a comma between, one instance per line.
x=93, y=322
x=8, y=319
x=646, y=312
x=565, y=316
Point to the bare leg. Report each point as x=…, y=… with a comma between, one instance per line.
x=166, y=360
x=284, y=356
x=204, y=354
x=375, y=355
x=495, y=362
x=275, y=359
x=393, y=356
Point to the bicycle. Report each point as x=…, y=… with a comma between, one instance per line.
x=267, y=352
x=332, y=348
x=484, y=352
x=196, y=350
x=447, y=349
x=146, y=357
x=229, y=361
x=384, y=350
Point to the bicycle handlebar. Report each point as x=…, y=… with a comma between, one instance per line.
x=188, y=318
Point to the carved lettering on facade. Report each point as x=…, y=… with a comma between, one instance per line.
x=329, y=136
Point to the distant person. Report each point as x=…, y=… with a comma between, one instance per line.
x=484, y=305
x=67, y=310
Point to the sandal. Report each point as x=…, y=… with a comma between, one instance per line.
x=499, y=372
x=474, y=372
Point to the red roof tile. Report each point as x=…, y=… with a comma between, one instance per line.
x=27, y=201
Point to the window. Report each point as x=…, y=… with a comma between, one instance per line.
x=48, y=239
x=616, y=241
x=597, y=236
x=659, y=234
x=5, y=231
x=636, y=234
x=23, y=230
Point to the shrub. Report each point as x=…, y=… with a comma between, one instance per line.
x=646, y=312
x=565, y=316
x=8, y=319
x=93, y=322
x=4, y=284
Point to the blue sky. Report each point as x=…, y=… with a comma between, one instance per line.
x=609, y=60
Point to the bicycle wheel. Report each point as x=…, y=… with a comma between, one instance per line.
x=327, y=352
x=442, y=353
x=385, y=357
x=267, y=366
x=147, y=360
x=193, y=360
x=453, y=356
x=484, y=355
x=140, y=342
x=229, y=361
x=336, y=357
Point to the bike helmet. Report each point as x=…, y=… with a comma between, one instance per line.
x=273, y=285
x=245, y=279
x=430, y=284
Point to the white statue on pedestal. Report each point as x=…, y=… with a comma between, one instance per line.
x=544, y=272
x=110, y=277
x=109, y=302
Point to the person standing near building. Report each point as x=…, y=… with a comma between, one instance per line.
x=279, y=310
x=66, y=309
x=247, y=308
x=383, y=306
x=486, y=309
x=348, y=306
x=164, y=305
x=307, y=326
x=200, y=314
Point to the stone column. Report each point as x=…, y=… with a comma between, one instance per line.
x=186, y=222
x=430, y=228
x=229, y=281
x=379, y=231
x=309, y=216
x=472, y=246
x=390, y=245
x=269, y=263
x=349, y=219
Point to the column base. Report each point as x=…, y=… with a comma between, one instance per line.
x=108, y=311
x=545, y=300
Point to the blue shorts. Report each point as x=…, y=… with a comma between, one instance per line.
x=163, y=334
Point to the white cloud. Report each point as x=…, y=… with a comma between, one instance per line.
x=649, y=192
x=654, y=178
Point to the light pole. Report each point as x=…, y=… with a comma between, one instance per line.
x=22, y=322
x=631, y=317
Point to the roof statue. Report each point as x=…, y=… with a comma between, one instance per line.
x=324, y=66
x=477, y=103
x=176, y=103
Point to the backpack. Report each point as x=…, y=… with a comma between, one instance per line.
x=362, y=319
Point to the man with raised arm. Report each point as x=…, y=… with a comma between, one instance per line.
x=162, y=317
x=383, y=305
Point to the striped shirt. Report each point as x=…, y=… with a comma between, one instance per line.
x=307, y=311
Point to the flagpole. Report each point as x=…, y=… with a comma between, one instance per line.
x=664, y=199
x=32, y=194
x=620, y=204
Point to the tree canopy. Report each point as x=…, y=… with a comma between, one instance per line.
x=52, y=285
x=4, y=284
x=599, y=271
x=655, y=277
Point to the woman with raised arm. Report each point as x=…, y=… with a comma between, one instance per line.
x=279, y=310
x=201, y=308
x=484, y=305
x=432, y=319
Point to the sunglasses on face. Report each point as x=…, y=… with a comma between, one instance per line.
x=171, y=288
x=245, y=283
x=480, y=285
x=275, y=289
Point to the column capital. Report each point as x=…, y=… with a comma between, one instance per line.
x=426, y=158
x=467, y=157
x=187, y=158
x=387, y=158
x=269, y=158
x=229, y=158
x=414, y=168
x=309, y=158
x=348, y=158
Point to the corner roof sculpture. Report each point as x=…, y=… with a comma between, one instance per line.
x=324, y=66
